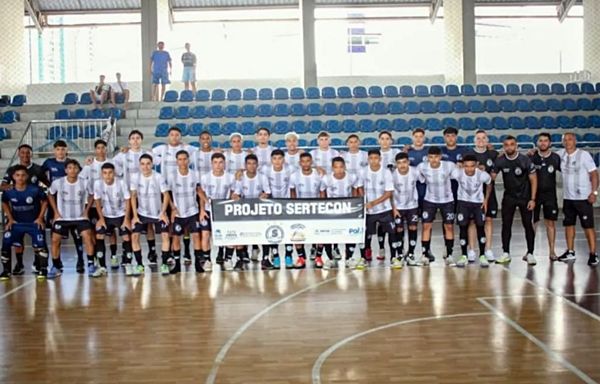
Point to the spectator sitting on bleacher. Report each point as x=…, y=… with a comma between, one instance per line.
x=102, y=91
x=117, y=89
x=34, y=171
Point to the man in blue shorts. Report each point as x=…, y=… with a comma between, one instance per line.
x=189, y=69
x=160, y=68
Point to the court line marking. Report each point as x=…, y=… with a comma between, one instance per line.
x=244, y=327
x=316, y=369
x=17, y=288
x=538, y=295
x=552, y=354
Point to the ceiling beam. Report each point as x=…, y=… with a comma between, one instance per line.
x=563, y=9
x=434, y=8
x=35, y=14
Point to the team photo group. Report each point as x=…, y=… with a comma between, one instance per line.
x=168, y=192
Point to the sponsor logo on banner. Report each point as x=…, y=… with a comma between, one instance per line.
x=274, y=234
x=356, y=231
x=218, y=234
x=298, y=233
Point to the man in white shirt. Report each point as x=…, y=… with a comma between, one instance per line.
x=323, y=155
x=355, y=158
x=119, y=89
x=292, y=152
x=263, y=149
x=580, y=192
x=235, y=156
x=388, y=160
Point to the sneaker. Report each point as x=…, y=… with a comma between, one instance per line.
x=152, y=258
x=489, y=255
x=239, y=265
x=138, y=270
x=34, y=268
x=128, y=270
x=80, y=267
x=397, y=263
x=300, y=263
x=411, y=261
x=313, y=252
x=368, y=254
x=5, y=275
x=361, y=265
x=471, y=255
x=461, y=262
x=54, y=272
x=430, y=256
x=99, y=272
x=174, y=266
x=207, y=266
x=504, y=259
x=91, y=269
x=351, y=263
x=220, y=260
x=266, y=264
x=114, y=262
x=483, y=261
x=424, y=260
x=245, y=258
x=381, y=254
x=276, y=262
x=228, y=265
x=187, y=260
x=449, y=260
x=593, y=260
x=164, y=269
x=18, y=270
x=336, y=253
x=530, y=259
x=255, y=254
x=42, y=274
x=289, y=262
x=318, y=262
x=567, y=256
x=198, y=266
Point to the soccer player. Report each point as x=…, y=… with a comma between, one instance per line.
x=580, y=192
x=251, y=185
x=453, y=153
x=201, y=159
x=355, y=158
x=405, y=211
x=417, y=153
x=35, y=171
x=70, y=198
x=278, y=174
x=437, y=174
x=263, y=149
x=113, y=206
x=472, y=204
x=25, y=208
x=216, y=184
x=235, y=156
x=546, y=163
x=305, y=183
x=388, y=160
x=292, y=152
x=340, y=183
x=520, y=191
x=149, y=202
x=323, y=155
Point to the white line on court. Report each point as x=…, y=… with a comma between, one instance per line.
x=316, y=369
x=554, y=355
x=17, y=288
x=240, y=331
x=538, y=295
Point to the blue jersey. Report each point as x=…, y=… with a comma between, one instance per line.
x=454, y=155
x=417, y=156
x=55, y=168
x=25, y=205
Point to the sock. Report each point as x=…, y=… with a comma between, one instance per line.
x=393, y=244
x=412, y=241
x=399, y=243
x=329, y=250
x=138, y=257
x=78, y=246
x=151, y=246
x=289, y=250
x=42, y=258
x=275, y=250
x=350, y=250
x=19, y=256
x=186, y=245
x=198, y=256
x=265, y=251
x=482, y=240
x=228, y=253
x=243, y=253
x=165, y=256
x=426, y=244
x=113, y=250
x=6, y=260
x=177, y=255
x=319, y=252
x=127, y=251
x=380, y=237
x=301, y=252
x=449, y=245
x=464, y=241
x=57, y=263
x=101, y=252
x=206, y=255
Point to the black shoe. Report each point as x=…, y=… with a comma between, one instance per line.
x=239, y=265
x=80, y=268
x=42, y=274
x=175, y=267
x=34, y=267
x=5, y=275
x=567, y=256
x=18, y=270
x=430, y=256
x=220, y=253
x=220, y=259
x=593, y=260
x=187, y=260
x=266, y=264
x=313, y=253
x=198, y=266
x=152, y=258
x=246, y=258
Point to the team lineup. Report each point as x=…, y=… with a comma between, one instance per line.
x=167, y=192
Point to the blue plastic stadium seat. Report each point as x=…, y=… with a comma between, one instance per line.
x=54, y=133
x=585, y=105
x=329, y=109
x=580, y=121
x=78, y=114
x=313, y=93
x=349, y=126
x=214, y=129
x=538, y=105
x=186, y=96
x=554, y=105
x=234, y=94
x=297, y=109
x=449, y=122
x=91, y=131
x=166, y=113
x=218, y=95
x=280, y=143
x=588, y=89
x=363, y=108
x=498, y=90
x=391, y=91
x=470, y=140
x=85, y=99
x=342, y=92
x=558, y=89
x=195, y=129
x=347, y=109
x=443, y=107
x=265, y=94
x=400, y=125
x=366, y=125
x=596, y=103
x=328, y=93
x=499, y=123
x=573, y=89
x=528, y=89
x=531, y=122
x=466, y=124
x=248, y=110
x=370, y=142
x=62, y=114
x=428, y=107
x=415, y=123
x=281, y=128
x=594, y=121
x=475, y=106
x=231, y=111
x=315, y=126
x=437, y=140
x=515, y=122
x=395, y=108
x=591, y=140
x=525, y=141
x=203, y=95
x=375, y=91
x=412, y=108
x=183, y=128
x=383, y=125
x=491, y=106
x=281, y=94
x=467, y=90
x=297, y=93
x=432, y=125
x=358, y=92
x=215, y=111
x=73, y=132
x=564, y=122
x=422, y=91
x=281, y=110
x=404, y=141
x=264, y=110
x=483, y=123
x=548, y=122
x=452, y=90
x=249, y=94
x=333, y=126
x=171, y=96
x=459, y=106
x=437, y=91
x=199, y=112
x=182, y=112
x=248, y=144
x=337, y=142
x=71, y=98
x=316, y=109
x=570, y=105
x=379, y=108
x=299, y=126
x=556, y=138
x=522, y=105
x=247, y=128
x=543, y=89
x=513, y=90
x=507, y=106
x=406, y=91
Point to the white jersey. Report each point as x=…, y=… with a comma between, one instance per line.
x=439, y=188
x=92, y=172
x=71, y=197
x=217, y=187
x=165, y=156
x=323, y=158
x=149, y=190
x=340, y=187
x=388, y=158
x=355, y=161
x=293, y=160
x=405, y=189
x=575, y=170
x=471, y=188
x=263, y=155
x=235, y=161
x=377, y=183
x=183, y=189
x=306, y=186
x=112, y=197
x=279, y=181
x=201, y=162
x=252, y=188
x=127, y=164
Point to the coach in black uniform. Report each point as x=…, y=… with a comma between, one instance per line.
x=546, y=163
x=520, y=188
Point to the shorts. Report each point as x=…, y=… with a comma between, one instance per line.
x=578, y=208
x=142, y=227
x=113, y=223
x=62, y=227
x=93, y=215
x=16, y=235
x=189, y=74
x=160, y=78
x=492, y=208
x=385, y=221
x=182, y=223
x=430, y=209
x=467, y=211
x=550, y=208
x=408, y=216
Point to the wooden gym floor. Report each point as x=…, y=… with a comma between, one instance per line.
x=417, y=325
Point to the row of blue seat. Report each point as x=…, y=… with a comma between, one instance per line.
x=97, y=113
x=73, y=132
x=9, y=117
x=15, y=101
x=345, y=92
x=4, y=133
x=73, y=98
x=379, y=108
x=396, y=125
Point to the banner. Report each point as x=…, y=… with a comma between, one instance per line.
x=287, y=221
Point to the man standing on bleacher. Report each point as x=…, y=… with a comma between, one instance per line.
x=160, y=69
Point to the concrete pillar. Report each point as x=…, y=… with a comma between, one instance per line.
x=309, y=61
x=591, y=38
x=13, y=63
x=156, y=24
x=459, y=26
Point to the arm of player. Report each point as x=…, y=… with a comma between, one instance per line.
x=166, y=201
x=40, y=220
x=203, y=201
x=133, y=201
x=127, y=220
x=486, y=199
x=594, y=179
x=10, y=220
x=101, y=222
x=386, y=195
x=533, y=180
x=52, y=201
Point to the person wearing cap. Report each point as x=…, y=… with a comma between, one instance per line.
x=292, y=153
x=235, y=156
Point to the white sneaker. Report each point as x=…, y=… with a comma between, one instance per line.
x=483, y=261
x=351, y=263
x=99, y=272
x=411, y=261
x=327, y=263
x=504, y=259
x=128, y=270
x=489, y=255
x=207, y=266
x=336, y=254
x=255, y=254
x=227, y=265
x=471, y=255
x=424, y=260
x=397, y=263
x=530, y=259
x=449, y=260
